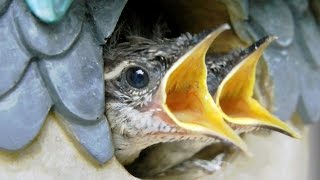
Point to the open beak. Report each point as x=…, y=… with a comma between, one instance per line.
x=185, y=97
x=234, y=95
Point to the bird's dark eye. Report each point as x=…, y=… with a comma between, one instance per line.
x=137, y=77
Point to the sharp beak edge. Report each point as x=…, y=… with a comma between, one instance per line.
x=186, y=99
x=234, y=94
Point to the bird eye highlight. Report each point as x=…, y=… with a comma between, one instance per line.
x=137, y=77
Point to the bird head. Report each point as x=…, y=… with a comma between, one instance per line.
x=156, y=91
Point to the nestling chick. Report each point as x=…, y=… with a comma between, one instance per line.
x=148, y=85
x=156, y=91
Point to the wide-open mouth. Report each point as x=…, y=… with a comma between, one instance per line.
x=184, y=96
x=186, y=99
x=234, y=94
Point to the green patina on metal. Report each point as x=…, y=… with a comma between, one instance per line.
x=49, y=11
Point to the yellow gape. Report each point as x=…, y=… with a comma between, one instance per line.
x=234, y=96
x=186, y=99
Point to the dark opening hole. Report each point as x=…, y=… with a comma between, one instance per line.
x=167, y=19
x=167, y=160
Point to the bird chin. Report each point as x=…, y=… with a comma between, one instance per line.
x=144, y=129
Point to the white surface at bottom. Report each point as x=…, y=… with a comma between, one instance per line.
x=53, y=156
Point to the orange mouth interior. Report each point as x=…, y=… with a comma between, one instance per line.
x=186, y=98
x=234, y=96
x=187, y=95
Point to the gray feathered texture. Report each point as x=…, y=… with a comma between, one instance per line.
x=135, y=123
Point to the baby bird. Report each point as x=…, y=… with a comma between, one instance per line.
x=168, y=90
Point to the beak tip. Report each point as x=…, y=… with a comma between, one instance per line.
x=297, y=135
x=289, y=131
x=249, y=154
x=246, y=151
x=240, y=144
x=272, y=38
x=225, y=26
